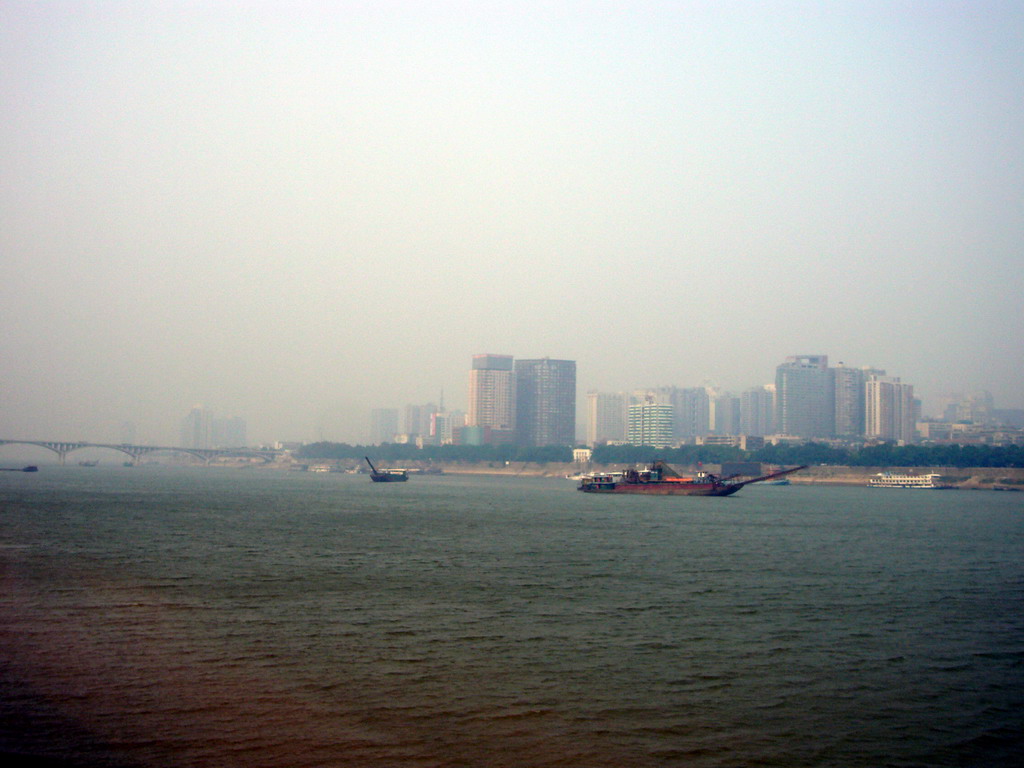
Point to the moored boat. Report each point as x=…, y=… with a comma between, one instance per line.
x=659, y=479
x=893, y=480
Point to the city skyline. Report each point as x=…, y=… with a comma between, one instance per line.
x=381, y=422
x=809, y=400
x=300, y=213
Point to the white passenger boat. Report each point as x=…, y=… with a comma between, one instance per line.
x=892, y=480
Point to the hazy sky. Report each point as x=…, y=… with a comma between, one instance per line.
x=294, y=212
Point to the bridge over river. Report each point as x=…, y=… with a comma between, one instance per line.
x=138, y=452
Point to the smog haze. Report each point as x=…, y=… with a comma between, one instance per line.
x=296, y=212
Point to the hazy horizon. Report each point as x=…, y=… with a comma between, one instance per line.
x=297, y=212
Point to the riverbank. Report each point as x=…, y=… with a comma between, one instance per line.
x=960, y=477
x=968, y=478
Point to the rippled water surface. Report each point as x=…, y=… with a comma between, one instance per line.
x=163, y=617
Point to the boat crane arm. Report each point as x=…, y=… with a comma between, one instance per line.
x=780, y=473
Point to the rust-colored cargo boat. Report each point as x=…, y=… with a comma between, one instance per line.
x=659, y=479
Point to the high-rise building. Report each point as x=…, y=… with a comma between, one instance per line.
x=757, y=411
x=973, y=407
x=606, y=417
x=692, y=412
x=492, y=402
x=545, y=396
x=651, y=424
x=724, y=412
x=195, y=428
x=444, y=425
x=805, y=397
x=889, y=409
x=848, y=393
x=417, y=420
x=413, y=421
x=228, y=433
x=383, y=425
x=848, y=389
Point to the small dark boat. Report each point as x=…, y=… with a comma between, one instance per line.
x=387, y=475
x=29, y=468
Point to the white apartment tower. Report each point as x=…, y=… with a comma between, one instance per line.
x=492, y=392
x=889, y=412
x=651, y=424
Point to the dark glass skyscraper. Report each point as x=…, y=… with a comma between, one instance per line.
x=545, y=402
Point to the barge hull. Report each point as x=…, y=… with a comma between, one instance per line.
x=668, y=489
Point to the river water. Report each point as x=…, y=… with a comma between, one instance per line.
x=163, y=617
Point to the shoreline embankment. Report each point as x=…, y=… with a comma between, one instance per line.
x=959, y=477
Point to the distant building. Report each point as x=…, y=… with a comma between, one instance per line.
x=651, y=424
x=468, y=435
x=606, y=417
x=416, y=422
x=757, y=411
x=848, y=400
x=228, y=433
x=492, y=402
x=545, y=397
x=743, y=442
x=932, y=430
x=692, y=412
x=582, y=455
x=973, y=407
x=1009, y=417
x=805, y=397
x=723, y=412
x=195, y=428
x=889, y=409
x=383, y=425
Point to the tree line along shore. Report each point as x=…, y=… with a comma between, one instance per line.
x=967, y=478
x=980, y=478
x=968, y=467
x=884, y=455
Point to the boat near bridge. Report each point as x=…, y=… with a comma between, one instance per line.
x=659, y=479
